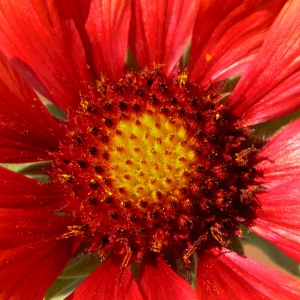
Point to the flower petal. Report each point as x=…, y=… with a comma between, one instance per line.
x=103, y=26
x=270, y=88
x=31, y=241
x=42, y=42
x=278, y=220
x=104, y=283
x=28, y=271
x=18, y=191
x=158, y=281
x=232, y=276
x=231, y=37
x=159, y=30
x=279, y=160
x=21, y=227
x=281, y=204
x=27, y=131
x=282, y=236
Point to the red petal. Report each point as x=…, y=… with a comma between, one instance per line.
x=27, y=213
x=158, y=281
x=234, y=277
x=281, y=204
x=284, y=237
x=28, y=271
x=41, y=40
x=27, y=131
x=270, y=87
x=20, y=227
x=18, y=191
x=103, y=26
x=107, y=28
x=230, y=38
x=159, y=30
x=280, y=158
x=31, y=255
x=104, y=283
x=278, y=220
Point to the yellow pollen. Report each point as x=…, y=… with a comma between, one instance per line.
x=84, y=104
x=183, y=78
x=157, y=245
x=208, y=57
x=65, y=178
x=155, y=163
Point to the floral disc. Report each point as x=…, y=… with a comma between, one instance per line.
x=153, y=164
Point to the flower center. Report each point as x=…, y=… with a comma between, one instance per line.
x=154, y=164
x=150, y=159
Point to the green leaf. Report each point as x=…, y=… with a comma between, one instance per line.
x=273, y=253
x=15, y=167
x=230, y=84
x=236, y=245
x=264, y=130
x=55, y=111
x=73, y=274
x=62, y=287
x=80, y=266
x=193, y=270
x=37, y=171
x=31, y=170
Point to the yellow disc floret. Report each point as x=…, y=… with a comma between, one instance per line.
x=151, y=158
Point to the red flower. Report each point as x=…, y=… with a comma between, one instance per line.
x=150, y=167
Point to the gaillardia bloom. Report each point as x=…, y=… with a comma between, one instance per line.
x=153, y=167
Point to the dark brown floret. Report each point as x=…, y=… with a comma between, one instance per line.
x=104, y=138
x=106, y=105
x=108, y=199
x=94, y=130
x=122, y=105
x=92, y=150
x=93, y=184
x=108, y=122
x=98, y=169
x=136, y=107
x=82, y=163
x=92, y=200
